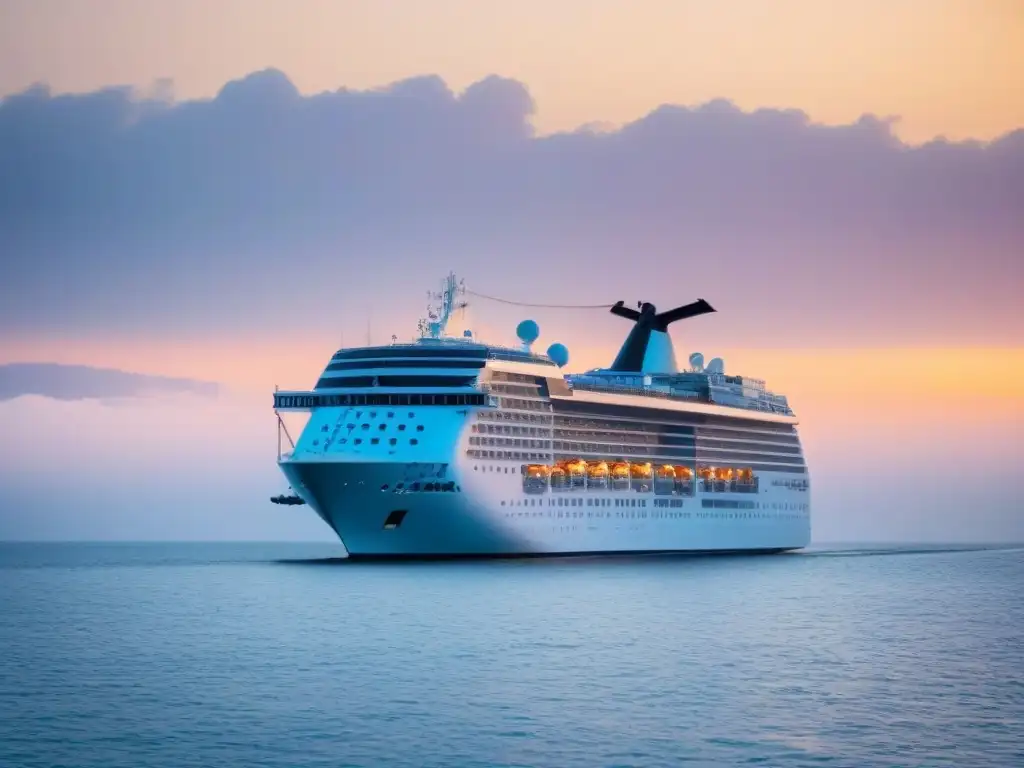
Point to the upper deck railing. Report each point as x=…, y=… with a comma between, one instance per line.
x=749, y=404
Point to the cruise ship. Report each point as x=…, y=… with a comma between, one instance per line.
x=448, y=447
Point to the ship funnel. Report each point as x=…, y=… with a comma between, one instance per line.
x=648, y=348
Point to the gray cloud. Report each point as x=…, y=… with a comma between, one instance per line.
x=265, y=208
x=82, y=382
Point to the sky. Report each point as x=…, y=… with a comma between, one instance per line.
x=189, y=190
x=947, y=67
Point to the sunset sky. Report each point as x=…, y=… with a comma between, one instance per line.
x=230, y=191
x=946, y=67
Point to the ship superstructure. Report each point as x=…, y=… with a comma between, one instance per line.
x=448, y=447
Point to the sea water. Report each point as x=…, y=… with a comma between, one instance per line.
x=179, y=655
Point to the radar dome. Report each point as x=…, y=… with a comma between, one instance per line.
x=528, y=331
x=717, y=365
x=697, y=361
x=559, y=354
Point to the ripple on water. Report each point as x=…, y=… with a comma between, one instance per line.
x=242, y=655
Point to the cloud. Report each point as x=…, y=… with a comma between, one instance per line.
x=82, y=382
x=265, y=208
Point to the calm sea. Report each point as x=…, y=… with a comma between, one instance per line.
x=271, y=655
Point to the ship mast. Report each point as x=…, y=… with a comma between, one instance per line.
x=448, y=300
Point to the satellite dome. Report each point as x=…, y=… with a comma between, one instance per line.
x=717, y=365
x=559, y=354
x=528, y=331
x=697, y=361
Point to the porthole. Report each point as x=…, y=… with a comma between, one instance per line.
x=401, y=427
x=384, y=487
x=419, y=427
x=413, y=441
x=393, y=441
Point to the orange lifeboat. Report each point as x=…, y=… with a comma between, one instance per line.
x=535, y=478
x=641, y=471
x=576, y=466
x=597, y=474
x=620, y=475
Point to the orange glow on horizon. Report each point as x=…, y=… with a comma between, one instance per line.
x=880, y=378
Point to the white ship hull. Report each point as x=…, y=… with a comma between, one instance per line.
x=488, y=513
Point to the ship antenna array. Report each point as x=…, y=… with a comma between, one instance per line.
x=449, y=299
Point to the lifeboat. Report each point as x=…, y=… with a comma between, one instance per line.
x=641, y=471
x=620, y=475
x=558, y=479
x=683, y=481
x=597, y=474
x=746, y=481
x=577, y=471
x=535, y=478
x=642, y=475
x=665, y=480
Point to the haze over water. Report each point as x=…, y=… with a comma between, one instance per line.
x=269, y=655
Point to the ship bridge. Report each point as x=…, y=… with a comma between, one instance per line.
x=426, y=372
